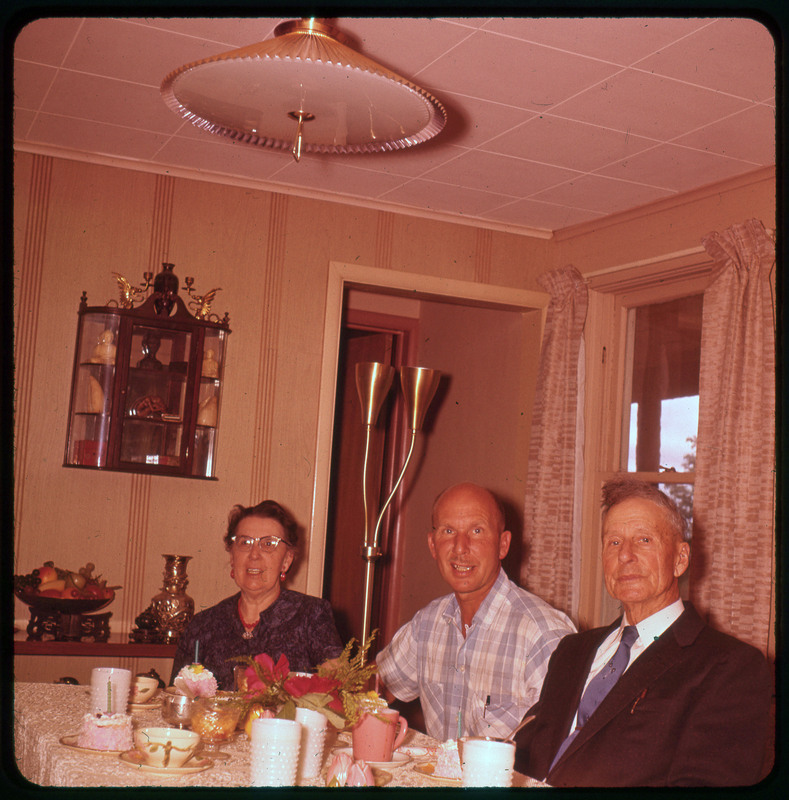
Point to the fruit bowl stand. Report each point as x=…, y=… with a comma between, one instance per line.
x=66, y=620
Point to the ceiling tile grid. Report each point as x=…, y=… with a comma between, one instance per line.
x=552, y=122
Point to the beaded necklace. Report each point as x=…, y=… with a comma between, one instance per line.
x=250, y=629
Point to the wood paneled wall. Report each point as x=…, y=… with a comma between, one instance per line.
x=76, y=223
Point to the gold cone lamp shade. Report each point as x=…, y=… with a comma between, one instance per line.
x=419, y=385
x=304, y=90
x=373, y=381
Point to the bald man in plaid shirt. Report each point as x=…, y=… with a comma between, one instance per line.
x=477, y=657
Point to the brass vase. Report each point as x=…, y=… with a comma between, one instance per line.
x=173, y=607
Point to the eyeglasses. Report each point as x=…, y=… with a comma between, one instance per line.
x=266, y=543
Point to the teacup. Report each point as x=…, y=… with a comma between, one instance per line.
x=176, y=708
x=377, y=735
x=167, y=748
x=143, y=688
x=109, y=690
x=486, y=761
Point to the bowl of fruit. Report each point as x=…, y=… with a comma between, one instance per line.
x=52, y=589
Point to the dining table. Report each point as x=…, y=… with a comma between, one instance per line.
x=46, y=715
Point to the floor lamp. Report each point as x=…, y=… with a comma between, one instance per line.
x=373, y=381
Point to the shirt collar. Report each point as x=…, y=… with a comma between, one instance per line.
x=487, y=607
x=654, y=626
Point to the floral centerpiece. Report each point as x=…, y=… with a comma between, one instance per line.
x=337, y=690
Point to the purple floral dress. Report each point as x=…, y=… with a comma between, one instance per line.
x=298, y=625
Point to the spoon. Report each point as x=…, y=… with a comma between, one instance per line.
x=523, y=724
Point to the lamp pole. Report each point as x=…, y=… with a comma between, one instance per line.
x=373, y=381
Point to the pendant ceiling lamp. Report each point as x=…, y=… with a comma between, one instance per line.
x=304, y=91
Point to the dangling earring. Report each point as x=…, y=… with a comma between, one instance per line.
x=282, y=575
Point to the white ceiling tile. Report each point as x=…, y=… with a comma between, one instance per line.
x=46, y=41
x=541, y=215
x=648, y=105
x=32, y=84
x=734, y=56
x=96, y=137
x=441, y=197
x=679, y=169
x=566, y=143
x=749, y=136
x=601, y=194
x=89, y=97
x=618, y=41
x=512, y=72
x=506, y=175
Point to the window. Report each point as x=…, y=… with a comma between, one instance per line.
x=643, y=346
x=662, y=395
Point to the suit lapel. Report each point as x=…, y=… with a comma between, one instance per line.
x=584, y=655
x=660, y=656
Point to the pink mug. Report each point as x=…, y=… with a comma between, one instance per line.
x=377, y=735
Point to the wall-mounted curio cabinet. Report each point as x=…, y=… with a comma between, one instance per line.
x=147, y=381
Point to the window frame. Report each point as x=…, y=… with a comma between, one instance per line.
x=612, y=293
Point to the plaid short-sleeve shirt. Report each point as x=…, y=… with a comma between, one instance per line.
x=481, y=685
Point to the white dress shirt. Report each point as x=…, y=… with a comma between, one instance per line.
x=649, y=630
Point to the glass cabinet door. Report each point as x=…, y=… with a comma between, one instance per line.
x=154, y=402
x=92, y=390
x=210, y=385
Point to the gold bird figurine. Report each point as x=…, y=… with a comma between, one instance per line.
x=202, y=303
x=128, y=291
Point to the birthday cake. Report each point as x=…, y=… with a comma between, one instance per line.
x=448, y=760
x=105, y=732
x=198, y=680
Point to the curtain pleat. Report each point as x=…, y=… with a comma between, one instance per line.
x=733, y=505
x=548, y=519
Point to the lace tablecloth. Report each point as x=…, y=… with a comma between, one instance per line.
x=45, y=713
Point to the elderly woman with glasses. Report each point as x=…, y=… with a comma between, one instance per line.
x=263, y=617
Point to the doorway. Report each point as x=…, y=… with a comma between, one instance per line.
x=485, y=341
x=365, y=336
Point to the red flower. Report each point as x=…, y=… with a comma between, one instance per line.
x=270, y=672
x=336, y=705
x=300, y=685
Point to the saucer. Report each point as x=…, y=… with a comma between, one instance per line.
x=71, y=741
x=134, y=758
x=149, y=706
x=414, y=752
x=381, y=777
x=399, y=759
x=428, y=769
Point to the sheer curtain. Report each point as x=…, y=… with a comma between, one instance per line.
x=550, y=519
x=733, y=505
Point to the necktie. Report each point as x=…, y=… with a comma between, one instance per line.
x=601, y=685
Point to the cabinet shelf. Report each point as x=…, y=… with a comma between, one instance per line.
x=152, y=420
x=116, y=647
x=164, y=375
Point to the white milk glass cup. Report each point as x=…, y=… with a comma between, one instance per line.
x=313, y=739
x=274, y=757
x=109, y=690
x=486, y=762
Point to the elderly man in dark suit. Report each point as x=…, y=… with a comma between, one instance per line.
x=658, y=698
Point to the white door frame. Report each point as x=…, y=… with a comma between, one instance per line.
x=385, y=281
